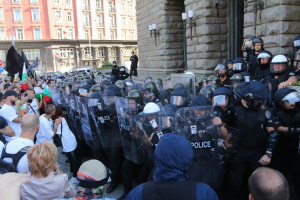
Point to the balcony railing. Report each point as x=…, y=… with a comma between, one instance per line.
x=112, y=10
x=86, y=23
x=100, y=24
x=85, y=7
x=112, y=25
x=99, y=9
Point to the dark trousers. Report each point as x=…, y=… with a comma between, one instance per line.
x=130, y=170
x=133, y=71
x=288, y=162
x=74, y=162
x=245, y=157
x=116, y=157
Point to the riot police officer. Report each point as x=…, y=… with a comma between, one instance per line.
x=296, y=47
x=239, y=65
x=229, y=64
x=97, y=88
x=148, y=79
x=122, y=85
x=207, y=92
x=115, y=70
x=285, y=157
x=264, y=59
x=123, y=74
x=255, y=120
x=150, y=93
x=180, y=98
x=236, y=79
x=222, y=71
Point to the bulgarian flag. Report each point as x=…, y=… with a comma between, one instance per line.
x=57, y=53
x=47, y=95
x=24, y=76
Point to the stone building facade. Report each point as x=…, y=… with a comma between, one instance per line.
x=278, y=22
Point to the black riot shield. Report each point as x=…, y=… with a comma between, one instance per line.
x=82, y=107
x=73, y=114
x=195, y=124
x=107, y=121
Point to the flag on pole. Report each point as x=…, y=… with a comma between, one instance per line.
x=57, y=53
x=24, y=73
x=34, y=64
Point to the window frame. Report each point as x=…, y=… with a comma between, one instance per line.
x=14, y=11
x=1, y=10
x=124, y=22
x=101, y=52
x=68, y=12
x=68, y=51
x=71, y=3
x=72, y=33
x=32, y=2
x=13, y=2
x=22, y=33
x=2, y=55
x=59, y=2
x=114, y=34
x=34, y=28
x=60, y=19
x=31, y=54
x=100, y=32
x=125, y=35
x=32, y=14
x=57, y=29
x=4, y=33
x=123, y=5
x=131, y=20
x=111, y=52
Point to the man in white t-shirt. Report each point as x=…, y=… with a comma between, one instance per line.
x=47, y=131
x=9, y=112
x=30, y=126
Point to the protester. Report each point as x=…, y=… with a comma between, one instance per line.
x=47, y=91
x=268, y=184
x=33, y=105
x=47, y=180
x=47, y=131
x=68, y=142
x=173, y=156
x=5, y=130
x=30, y=126
x=2, y=100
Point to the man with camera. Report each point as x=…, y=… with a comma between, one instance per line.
x=32, y=105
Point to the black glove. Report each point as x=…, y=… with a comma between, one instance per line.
x=296, y=118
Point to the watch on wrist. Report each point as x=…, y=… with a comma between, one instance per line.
x=269, y=155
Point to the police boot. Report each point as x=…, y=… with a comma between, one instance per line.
x=113, y=185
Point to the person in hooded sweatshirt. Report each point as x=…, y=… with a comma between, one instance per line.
x=173, y=156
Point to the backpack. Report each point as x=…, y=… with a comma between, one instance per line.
x=5, y=166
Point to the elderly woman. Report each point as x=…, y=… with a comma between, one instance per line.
x=47, y=180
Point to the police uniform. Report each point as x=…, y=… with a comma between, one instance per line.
x=115, y=72
x=253, y=61
x=226, y=83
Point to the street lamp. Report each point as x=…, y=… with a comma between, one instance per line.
x=190, y=22
x=153, y=28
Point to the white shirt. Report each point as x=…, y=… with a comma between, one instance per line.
x=16, y=145
x=68, y=139
x=9, y=113
x=38, y=90
x=1, y=148
x=44, y=85
x=45, y=133
x=34, y=107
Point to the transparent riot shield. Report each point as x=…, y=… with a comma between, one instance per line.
x=166, y=119
x=75, y=118
x=195, y=124
x=107, y=121
x=188, y=81
x=84, y=120
x=55, y=94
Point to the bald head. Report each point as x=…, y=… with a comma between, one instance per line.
x=29, y=123
x=268, y=184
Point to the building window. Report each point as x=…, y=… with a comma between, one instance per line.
x=70, y=34
x=98, y=4
x=123, y=7
x=87, y=52
x=69, y=3
x=86, y=19
x=20, y=34
x=70, y=16
x=113, y=52
x=32, y=54
x=128, y=51
x=110, y=4
x=16, y=1
x=123, y=21
x=2, y=55
x=111, y=20
x=131, y=21
x=67, y=53
x=17, y=15
x=100, y=37
x=86, y=34
x=124, y=35
x=132, y=36
x=59, y=33
x=112, y=35
x=130, y=7
x=85, y=3
x=37, y=33
x=57, y=1
x=101, y=52
x=58, y=15
x=1, y=15
x=34, y=1
x=2, y=34
x=35, y=15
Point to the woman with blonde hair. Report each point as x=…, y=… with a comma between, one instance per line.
x=47, y=180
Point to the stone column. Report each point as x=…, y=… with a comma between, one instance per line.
x=118, y=20
x=277, y=24
x=106, y=20
x=106, y=52
x=79, y=57
x=93, y=19
x=79, y=20
x=119, y=54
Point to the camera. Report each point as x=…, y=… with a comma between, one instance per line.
x=29, y=101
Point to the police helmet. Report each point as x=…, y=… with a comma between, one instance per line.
x=219, y=67
x=213, y=86
x=207, y=91
x=264, y=54
x=255, y=90
x=236, y=79
x=151, y=109
x=158, y=81
x=122, y=85
x=83, y=82
x=96, y=101
x=114, y=63
x=286, y=95
x=137, y=96
x=258, y=40
x=97, y=88
x=296, y=43
x=222, y=97
x=91, y=82
x=148, y=79
x=59, y=84
x=279, y=64
x=214, y=79
x=151, y=87
x=202, y=82
x=75, y=90
x=122, y=69
x=85, y=88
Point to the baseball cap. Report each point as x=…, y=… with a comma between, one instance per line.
x=11, y=93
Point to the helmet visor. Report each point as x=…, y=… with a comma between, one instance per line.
x=177, y=100
x=82, y=90
x=247, y=78
x=93, y=102
x=219, y=100
x=291, y=98
x=67, y=90
x=168, y=84
x=278, y=68
x=238, y=66
x=296, y=43
x=297, y=56
x=165, y=122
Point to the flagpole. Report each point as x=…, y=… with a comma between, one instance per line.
x=11, y=29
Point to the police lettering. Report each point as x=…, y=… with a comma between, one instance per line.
x=124, y=127
x=102, y=119
x=201, y=144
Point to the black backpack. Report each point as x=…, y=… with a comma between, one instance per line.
x=6, y=167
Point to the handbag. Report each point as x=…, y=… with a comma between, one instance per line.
x=57, y=139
